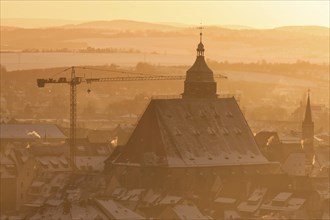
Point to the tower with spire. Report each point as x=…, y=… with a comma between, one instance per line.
x=308, y=130
x=193, y=134
x=199, y=81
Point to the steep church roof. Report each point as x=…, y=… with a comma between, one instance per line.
x=199, y=130
x=191, y=133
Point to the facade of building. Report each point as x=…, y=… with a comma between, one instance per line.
x=17, y=170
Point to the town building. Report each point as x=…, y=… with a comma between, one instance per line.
x=189, y=141
x=17, y=171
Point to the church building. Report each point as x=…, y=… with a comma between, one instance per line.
x=191, y=140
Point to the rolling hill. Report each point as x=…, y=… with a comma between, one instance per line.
x=236, y=44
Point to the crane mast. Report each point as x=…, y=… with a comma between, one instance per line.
x=73, y=116
x=74, y=81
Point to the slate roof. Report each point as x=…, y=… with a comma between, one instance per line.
x=200, y=71
x=30, y=131
x=114, y=210
x=190, y=133
x=284, y=201
x=253, y=202
x=188, y=212
x=295, y=164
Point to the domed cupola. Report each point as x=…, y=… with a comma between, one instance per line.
x=199, y=81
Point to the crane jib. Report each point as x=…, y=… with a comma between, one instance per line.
x=74, y=81
x=78, y=80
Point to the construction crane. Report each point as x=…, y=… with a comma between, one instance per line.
x=74, y=80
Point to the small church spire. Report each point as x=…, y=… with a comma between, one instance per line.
x=308, y=132
x=200, y=47
x=308, y=112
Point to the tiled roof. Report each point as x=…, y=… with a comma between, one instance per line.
x=192, y=132
x=30, y=131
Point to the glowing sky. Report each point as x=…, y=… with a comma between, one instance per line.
x=260, y=14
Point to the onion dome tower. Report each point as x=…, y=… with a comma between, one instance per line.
x=199, y=81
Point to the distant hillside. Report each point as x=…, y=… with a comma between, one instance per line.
x=35, y=23
x=314, y=30
x=123, y=25
x=235, y=27
x=235, y=44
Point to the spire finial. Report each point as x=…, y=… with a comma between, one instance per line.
x=201, y=31
x=200, y=47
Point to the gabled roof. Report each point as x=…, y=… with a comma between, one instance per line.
x=253, y=202
x=30, y=131
x=114, y=210
x=99, y=136
x=190, y=133
x=284, y=201
x=294, y=165
x=188, y=212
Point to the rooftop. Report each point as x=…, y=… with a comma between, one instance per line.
x=30, y=131
x=192, y=132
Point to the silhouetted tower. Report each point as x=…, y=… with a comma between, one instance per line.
x=308, y=131
x=199, y=81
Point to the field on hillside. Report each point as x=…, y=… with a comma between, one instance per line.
x=285, y=44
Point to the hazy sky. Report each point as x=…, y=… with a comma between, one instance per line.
x=261, y=14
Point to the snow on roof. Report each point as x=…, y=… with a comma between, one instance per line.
x=8, y=171
x=92, y=163
x=216, y=133
x=188, y=212
x=132, y=195
x=282, y=196
x=88, y=212
x=324, y=194
x=114, y=210
x=167, y=200
x=284, y=201
x=118, y=192
x=54, y=163
x=225, y=200
x=253, y=202
x=289, y=139
x=322, y=155
x=295, y=164
x=11, y=161
x=30, y=131
x=54, y=202
x=76, y=213
x=231, y=214
x=37, y=184
x=38, y=202
x=151, y=197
